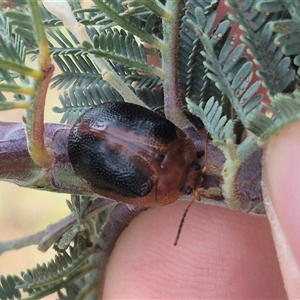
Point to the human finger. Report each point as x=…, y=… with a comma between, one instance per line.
x=281, y=179
x=220, y=254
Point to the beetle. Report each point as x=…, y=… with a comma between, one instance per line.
x=128, y=153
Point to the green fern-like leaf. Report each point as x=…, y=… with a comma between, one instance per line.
x=285, y=109
x=191, y=69
x=65, y=41
x=152, y=97
x=287, y=31
x=77, y=70
x=122, y=48
x=12, y=52
x=261, y=43
x=70, y=291
x=213, y=120
x=77, y=100
x=65, y=271
x=45, y=276
x=8, y=288
x=230, y=71
x=16, y=19
x=126, y=23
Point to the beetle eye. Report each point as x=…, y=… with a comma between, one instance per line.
x=196, y=166
x=200, y=153
x=188, y=190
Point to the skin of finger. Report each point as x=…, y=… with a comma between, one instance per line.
x=282, y=178
x=220, y=254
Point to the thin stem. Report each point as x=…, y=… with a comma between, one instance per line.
x=210, y=55
x=14, y=105
x=156, y=7
x=44, y=56
x=17, y=89
x=34, y=117
x=18, y=167
x=21, y=242
x=21, y=69
x=126, y=61
x=34, y=121
x=62, y=283
x=173, y=104
x=45, y=238
x=63, y=11
x=109, y=77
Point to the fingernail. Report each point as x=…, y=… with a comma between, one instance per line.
x=281, y=188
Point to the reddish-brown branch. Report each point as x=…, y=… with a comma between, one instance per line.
x=18, y=167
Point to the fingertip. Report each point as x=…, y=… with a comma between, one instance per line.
x=220, y=253
x=281, y=178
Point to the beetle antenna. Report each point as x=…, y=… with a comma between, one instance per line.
x=206, y=151
x=196, y=192
x=182, y=220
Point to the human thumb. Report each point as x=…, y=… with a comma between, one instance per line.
x=281, y=188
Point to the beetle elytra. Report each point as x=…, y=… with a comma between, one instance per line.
x=130, y=154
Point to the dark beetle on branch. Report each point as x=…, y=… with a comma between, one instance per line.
x=144, y=164
x=128, y=153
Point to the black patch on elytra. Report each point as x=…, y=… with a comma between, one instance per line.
x=107, y=169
